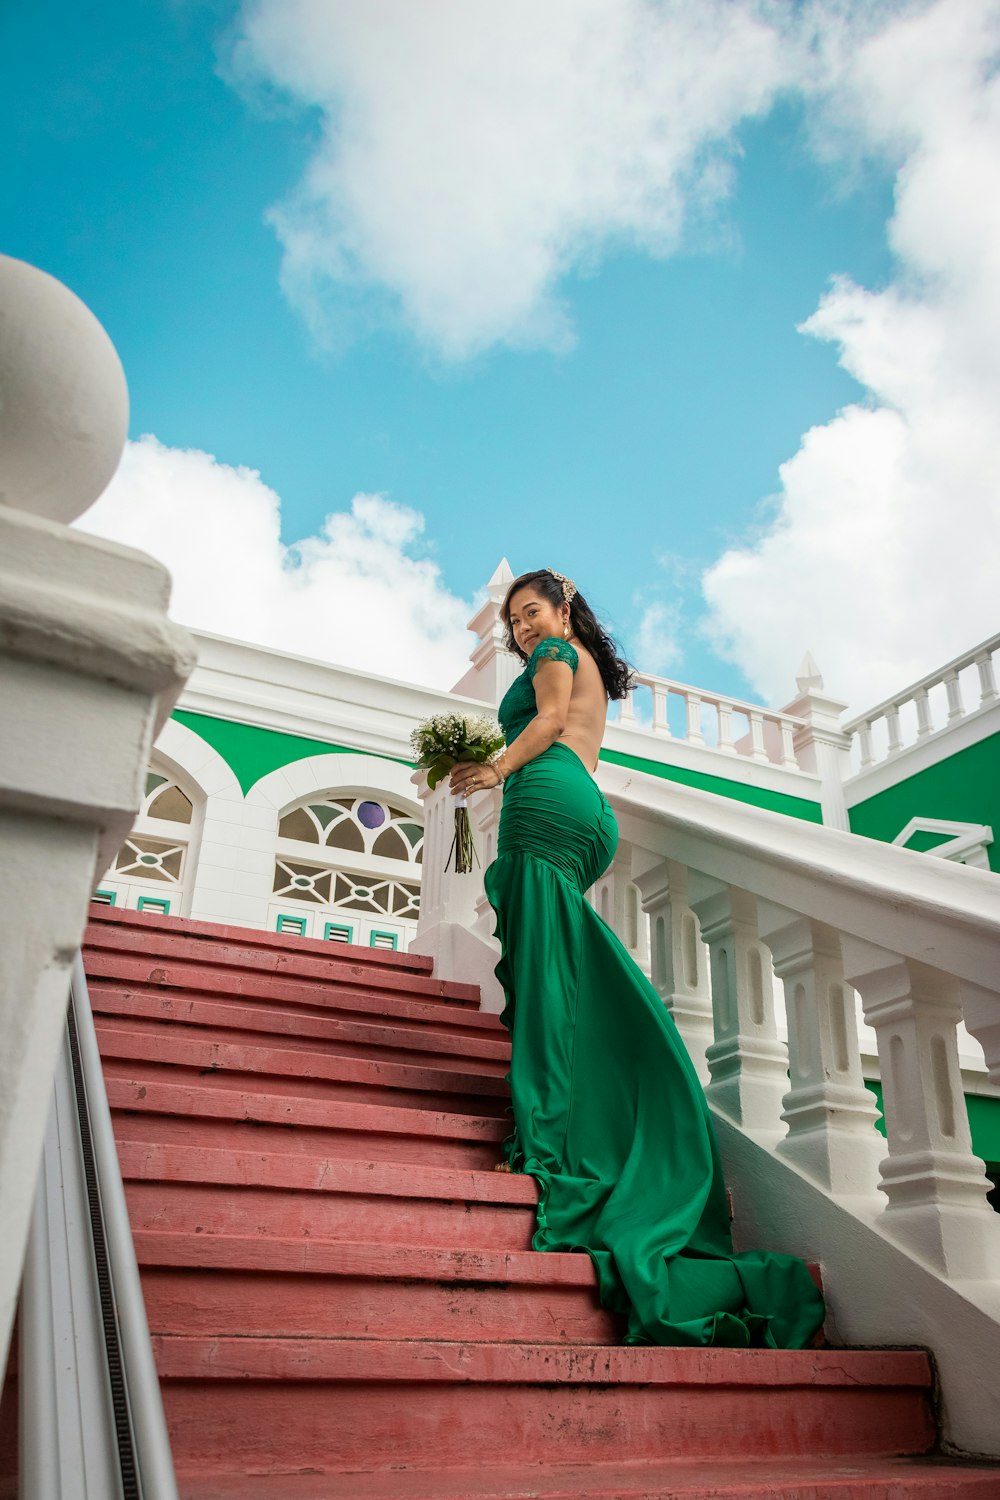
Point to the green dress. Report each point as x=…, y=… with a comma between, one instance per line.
x=609, y=1115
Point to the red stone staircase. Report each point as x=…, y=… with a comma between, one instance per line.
x=342, y=1294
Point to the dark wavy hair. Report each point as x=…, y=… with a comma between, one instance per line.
x=615, y=671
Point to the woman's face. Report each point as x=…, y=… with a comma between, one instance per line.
x=533, y=618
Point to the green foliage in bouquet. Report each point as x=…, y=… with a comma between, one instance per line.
x=440, y=743
x=443, y=740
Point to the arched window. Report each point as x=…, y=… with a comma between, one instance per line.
x=151, y=866
x=355, y=861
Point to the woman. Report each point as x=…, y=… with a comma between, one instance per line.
x=609, y=1115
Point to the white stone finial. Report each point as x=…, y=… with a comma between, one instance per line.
x=63, y=397
x=809, y=678
x=500, y=582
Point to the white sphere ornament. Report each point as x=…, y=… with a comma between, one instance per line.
x=63, y=397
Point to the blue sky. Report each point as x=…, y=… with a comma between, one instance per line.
x=628, y=420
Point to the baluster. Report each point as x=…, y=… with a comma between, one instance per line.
x=694, y=735
x=660, y=721
x=925, y=724
x=726, y=728
x=953, y=688
x=788, y=756
x=895, y=735
x=678, y=958
x=935, y=1186
x=626, y=709
x=865, y=741
x=981, y=1013
x=747, y=1061
x=987, y=680
x=757, y=751
x=829, y=1112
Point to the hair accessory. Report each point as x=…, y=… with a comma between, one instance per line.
x=568, y=586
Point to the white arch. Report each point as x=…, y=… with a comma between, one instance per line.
x=186, y=753
x=334, y=774
x=347, y=774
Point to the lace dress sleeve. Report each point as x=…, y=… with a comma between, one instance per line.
x=553, y=649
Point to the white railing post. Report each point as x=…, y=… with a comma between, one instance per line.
x=678, y=957
x=981, y=1014
x=90, y=667
x=454, y=928
x=987, y=678
x=617, y=901
x=821, y=745
x=829, y=1112
x=935, y=1186
x=747, y=1061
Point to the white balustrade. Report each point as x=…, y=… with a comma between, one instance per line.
x=618, y=902
x=829, y=1113
x=770, y=735
x=918, y=695
x=747, y=1061
x=935, y=1186
x=909, y=1244
x=679, y=958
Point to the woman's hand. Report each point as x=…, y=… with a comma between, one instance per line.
x=471, y=777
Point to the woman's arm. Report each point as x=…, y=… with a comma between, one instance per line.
x=553, y=689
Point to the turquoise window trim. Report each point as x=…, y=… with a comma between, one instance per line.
x=287, y=923
x=392, y=936
x=154, y=903
x=332, y=927
x=105, y=898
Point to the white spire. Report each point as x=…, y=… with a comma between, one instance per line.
x=500, y=582
x=809, y=677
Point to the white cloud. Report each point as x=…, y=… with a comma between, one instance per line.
x=471, y=153
x=353, y=594
x=884, y=553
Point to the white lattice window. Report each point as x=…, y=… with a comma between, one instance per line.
x=364, y=887
x=150, y=868
x=359, y=825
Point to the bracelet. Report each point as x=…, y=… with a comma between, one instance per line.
x=496, y=766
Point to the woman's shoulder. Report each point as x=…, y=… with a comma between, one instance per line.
x=553, y=649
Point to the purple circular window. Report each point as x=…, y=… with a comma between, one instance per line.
x=371, y=815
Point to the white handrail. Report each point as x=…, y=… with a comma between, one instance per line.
x=92, y=1420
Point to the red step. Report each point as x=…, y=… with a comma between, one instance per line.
x=360, y=1403
x=233, y=1018
x=160, y=1056
x=299, y=1288
x=343, y=1297
x=227, y=1192
x=494, y=1478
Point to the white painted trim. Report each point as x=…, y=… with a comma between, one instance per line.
x=335, y=775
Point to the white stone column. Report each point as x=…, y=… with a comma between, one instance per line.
x=829, y=1113
x=678, y=957
x=617, y=901
x=935, y=1186
x=454, y=928
x=821, y=746
x=89, y=669
x=748, y=1062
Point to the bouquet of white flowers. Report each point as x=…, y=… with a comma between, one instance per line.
x=440, y=743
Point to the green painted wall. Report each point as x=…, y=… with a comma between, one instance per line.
x=965, y=788
x=794, y=807
x=984, y=1122
x=251, y=752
